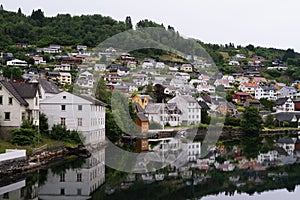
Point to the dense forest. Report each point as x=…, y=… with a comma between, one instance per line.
x=63, y=29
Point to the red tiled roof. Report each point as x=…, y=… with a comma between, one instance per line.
x=250, y=84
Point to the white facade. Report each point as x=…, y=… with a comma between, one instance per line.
x=62, y=67
x=164, y=114
x=77, y=183
x=193, y=151
x=271, y=156
x=14, y=108
x=77, y=113
x=267, y=92
x=16, y=62
x=287, y=106
x=160, y=65
x=191, y=110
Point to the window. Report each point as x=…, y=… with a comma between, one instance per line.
x=6, y=195
x=62, y=178
x=7, y=116
x=78, y=191
x=1, y=100
x=63, y=107
x=62, y=191
x=79, y=177
x=79, y=121
x=10, y=100
x=36, y=101
x=64, y=97
x=23, y=116
x=79, y=107
x=63, y=121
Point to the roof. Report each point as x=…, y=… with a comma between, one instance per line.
x=250, y=84
x=203, y=105
x=142, y=117
x=286, y=116
x=153, y=108
x=242, y=94
x=285, y=141
x=138, y=107
x=92, y=100
x=268, y=88
x=14, y=92
x=26, y=90
x=281, y=101
x=49, y=86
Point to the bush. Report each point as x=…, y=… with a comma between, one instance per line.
x=61, y=133
x=154, y=125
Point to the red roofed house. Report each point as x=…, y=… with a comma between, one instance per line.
x=241, y=97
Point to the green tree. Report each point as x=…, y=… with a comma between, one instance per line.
x=205, y=118
x=290, y=53
x=43, y=124
x=128, y=22
x=268, y=104
x=270, y=123
x=26, y=135
x=102, y=93
x=251, y=121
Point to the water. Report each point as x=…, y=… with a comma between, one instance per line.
x=276, y=175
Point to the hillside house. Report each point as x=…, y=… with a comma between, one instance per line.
x=18, y=101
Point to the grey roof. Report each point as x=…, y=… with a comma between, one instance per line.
x=171, y=106
x=285, y=141
x=11, y=89
x=26, y=90
x=92, y=100
x=203, y=105
x=142, y=96
x=138, y=107
x=268, y=88
x=49, y=86
x=281, y=101
x=142, y=117
x=153, y=108
x=284, y=117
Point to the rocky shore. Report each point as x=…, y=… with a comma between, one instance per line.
x=41, y=158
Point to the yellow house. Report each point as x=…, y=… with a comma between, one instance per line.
x=142, y=100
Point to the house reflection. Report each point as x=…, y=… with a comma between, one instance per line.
x=18, y=190
x=77, y=183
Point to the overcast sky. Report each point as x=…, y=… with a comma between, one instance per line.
x=268, y=23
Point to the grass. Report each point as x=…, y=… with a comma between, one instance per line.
x=4, y=144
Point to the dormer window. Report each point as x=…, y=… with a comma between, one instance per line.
x=64, y=97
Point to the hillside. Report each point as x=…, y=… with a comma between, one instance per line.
x=63, y=29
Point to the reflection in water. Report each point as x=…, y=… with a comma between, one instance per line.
x=227, y=173
x=75, y=182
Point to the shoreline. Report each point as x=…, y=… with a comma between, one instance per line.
x=41, y=159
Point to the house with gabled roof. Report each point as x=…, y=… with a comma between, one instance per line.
x=81, y=113
x=18, y=101
x=142, y=100
x=191, y=110
x=284, y=104
x=47, y=88
x=164, y=113
x=287, y=91
x=241, y=97
x=268, y=92
x=248, y=87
